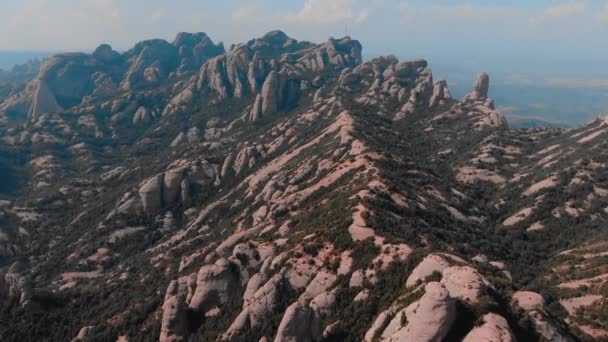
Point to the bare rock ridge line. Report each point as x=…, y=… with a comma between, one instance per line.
x=284, y=190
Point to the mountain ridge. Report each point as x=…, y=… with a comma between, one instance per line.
x=291, y=191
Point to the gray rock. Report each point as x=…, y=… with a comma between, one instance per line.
x=106, y=54
x=195, y=49
x=19, y=284
x=142, y=116
x=215, y=284
x=295, y=324
x=269, y=93
x=174, y=320
x=180, y=139
x=151, y=62
x=441, y=94
x=172, y=181
x=150, y=194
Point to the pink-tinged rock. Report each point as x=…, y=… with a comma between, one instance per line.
x=430, y=264
x=376, y=328
x=528, y=300
x=494, y=329
x=463, y=282
x=174, y=319
x=429, y=319
x=172, y=181
x=296, y=323
x=215, y=284
x=480, y=88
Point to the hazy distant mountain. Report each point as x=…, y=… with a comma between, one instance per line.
x=8, y=59
x=289, y=191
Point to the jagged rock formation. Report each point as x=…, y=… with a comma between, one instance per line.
x=18, y=283
x=284, y=191
x=480, y=88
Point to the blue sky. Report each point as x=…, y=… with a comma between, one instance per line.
x=555, y=38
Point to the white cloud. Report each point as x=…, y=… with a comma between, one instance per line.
x=562, y=10
x=326, y=12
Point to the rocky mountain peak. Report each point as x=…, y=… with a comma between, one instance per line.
x=105, y=53
x=480, y=87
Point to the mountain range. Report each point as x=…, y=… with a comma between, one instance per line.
x=283, y=190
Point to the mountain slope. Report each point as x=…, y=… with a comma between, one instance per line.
x=287, y=190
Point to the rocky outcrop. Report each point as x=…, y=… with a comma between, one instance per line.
x=215, y=284
x=463, y=282
x=428, y=319
x=430, y=264
x=195, y=49
x=174, y=319
x=172, y=181
x=150, y=61
x=83, y=334
x=296, y=324
x=545, y=325
x=142, y=116
x=480, y=88
x=172, y=188
x=44, y=100
x=441, y=94
x=150, y=194
x=104, y=53
x=270, y=92
x=19, y=284
x=494, y=328
x=264, y=301
x=303, y=320
x=274, y=68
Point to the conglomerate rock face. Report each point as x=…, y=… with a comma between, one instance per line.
x=282, y=190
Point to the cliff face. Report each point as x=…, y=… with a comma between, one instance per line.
x=289, y=191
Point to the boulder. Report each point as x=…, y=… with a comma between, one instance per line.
x=494, y=328
x=463, y=282
x=174, y=322
x=215, y=284
x=150, y=194
x=193, y=136
x=527, y=300
x=295, y=324
x=269, y=93
x=172, y=182
x=142, y=116
x=19, y=284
